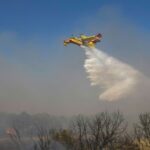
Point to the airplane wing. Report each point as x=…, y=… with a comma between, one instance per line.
x=87, y=38
x=93, y=38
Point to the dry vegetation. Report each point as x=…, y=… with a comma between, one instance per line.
x=103, y=131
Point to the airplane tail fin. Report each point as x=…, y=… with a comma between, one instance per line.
x=99, y=35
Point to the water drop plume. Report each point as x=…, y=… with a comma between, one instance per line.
x=115, y=78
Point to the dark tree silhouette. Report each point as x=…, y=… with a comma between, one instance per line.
x=142, y=130
x=43, y=141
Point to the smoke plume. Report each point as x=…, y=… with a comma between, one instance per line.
x=115, y=78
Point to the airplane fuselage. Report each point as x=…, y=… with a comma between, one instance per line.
x=88, y=41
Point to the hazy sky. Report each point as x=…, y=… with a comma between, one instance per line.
x=39, y=74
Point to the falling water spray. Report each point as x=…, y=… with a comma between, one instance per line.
x=115, y=78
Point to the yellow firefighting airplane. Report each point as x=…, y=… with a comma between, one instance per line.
x=88, y=41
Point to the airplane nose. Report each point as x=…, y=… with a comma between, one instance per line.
x=65, y=44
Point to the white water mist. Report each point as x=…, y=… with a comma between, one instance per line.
x=116, y=79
